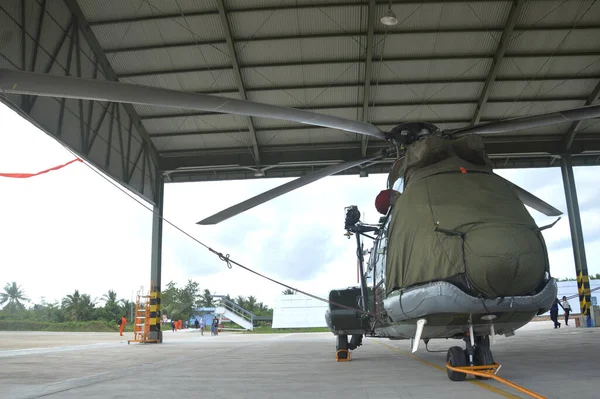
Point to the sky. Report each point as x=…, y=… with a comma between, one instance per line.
x=70, y=229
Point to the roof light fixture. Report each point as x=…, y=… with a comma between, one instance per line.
x=389, y=18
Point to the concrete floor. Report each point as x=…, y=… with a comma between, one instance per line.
x=558, y=363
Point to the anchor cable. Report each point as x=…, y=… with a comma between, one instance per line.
x=225, y=258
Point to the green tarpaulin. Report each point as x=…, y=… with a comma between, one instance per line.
x=485, y=236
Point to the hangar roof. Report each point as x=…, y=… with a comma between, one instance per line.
x=451, y=63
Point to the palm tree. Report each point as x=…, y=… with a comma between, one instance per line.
x=110, y=298
x=288, y=291
x=206, y=299
x=79, y=307
x=14, y=295
x=251, y=303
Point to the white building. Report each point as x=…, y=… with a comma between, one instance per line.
x=299, y=311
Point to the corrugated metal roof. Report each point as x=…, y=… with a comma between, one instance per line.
x=118, y=9
x=589, y=127
x=301, y=98
x=200, y=123
x=519, y=108
x=541, y=67
x=543, y=88
x=555, y=40
x=418, y=112
x=557, y=12
x=154, y=60
x=433, y=16
x=202, y=141
x=281, y=76
x=436, y=61
x=305, y=136
x=430, y=92
x=218, y=80
x=437, y=44
x=159, y=32
x=288, y=22
x=432, y=69
x=299, y=50
x=244, y=4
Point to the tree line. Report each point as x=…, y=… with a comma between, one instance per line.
x=176, y=303
x=591, y=276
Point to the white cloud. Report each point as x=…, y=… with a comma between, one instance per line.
x=70, y=229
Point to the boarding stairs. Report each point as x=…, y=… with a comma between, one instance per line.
x=141, y=326
x=235, y=313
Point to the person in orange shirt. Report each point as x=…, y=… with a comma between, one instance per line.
x=122, y=323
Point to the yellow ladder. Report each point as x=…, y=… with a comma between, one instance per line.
x=141, y=323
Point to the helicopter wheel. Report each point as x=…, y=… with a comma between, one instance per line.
x=457, y=358
x=483, y=357
x=342, y=354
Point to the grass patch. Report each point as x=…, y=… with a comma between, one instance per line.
x=70, y=326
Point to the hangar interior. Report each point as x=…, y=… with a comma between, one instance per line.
x=446, y=62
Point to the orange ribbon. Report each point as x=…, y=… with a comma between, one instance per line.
x=26, y=175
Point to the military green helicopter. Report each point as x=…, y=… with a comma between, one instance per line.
x=457, y=255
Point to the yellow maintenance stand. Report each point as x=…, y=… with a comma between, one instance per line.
x=142, y=322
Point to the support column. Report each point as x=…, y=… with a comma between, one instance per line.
x=156, y=260
x=583, y=282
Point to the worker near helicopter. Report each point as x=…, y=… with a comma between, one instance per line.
x=122, y=323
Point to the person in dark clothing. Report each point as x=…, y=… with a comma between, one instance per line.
x=554, y=313
x=197, y=324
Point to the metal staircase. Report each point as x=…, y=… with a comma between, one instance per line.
x=141, y=324
x=234, y=312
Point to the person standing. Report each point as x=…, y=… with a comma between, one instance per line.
x=122, y=323
x=202, y=325
x=567, y=308
x=554, y=313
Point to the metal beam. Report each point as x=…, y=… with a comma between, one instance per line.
x=318, y=86
x=503, y=147
x=570, y=135
x=395, y=35
x=156, y=257
x=381, y=104
x=501, y=50
x=583, y=282
x=381, y=167
x=238, y=75
x=353, y=61
x=110, y=74
x=368, y=67
x=279, y=7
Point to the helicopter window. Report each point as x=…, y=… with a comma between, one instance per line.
x=380, y=254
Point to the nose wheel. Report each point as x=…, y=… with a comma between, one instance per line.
x=473, y=357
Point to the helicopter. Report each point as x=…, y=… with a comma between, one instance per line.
x=457, y=255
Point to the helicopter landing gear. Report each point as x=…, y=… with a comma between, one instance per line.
x=476, y=357
x=343, y=347
x=342, y=354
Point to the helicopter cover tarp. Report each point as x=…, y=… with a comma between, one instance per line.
x=450, y=184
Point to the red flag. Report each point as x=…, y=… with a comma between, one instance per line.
x=26, y=175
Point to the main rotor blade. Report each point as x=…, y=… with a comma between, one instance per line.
x=283, y=189
x=531, y=200
x=527, y=122
x=18, y=82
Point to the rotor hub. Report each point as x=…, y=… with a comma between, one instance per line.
x=408, y=133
